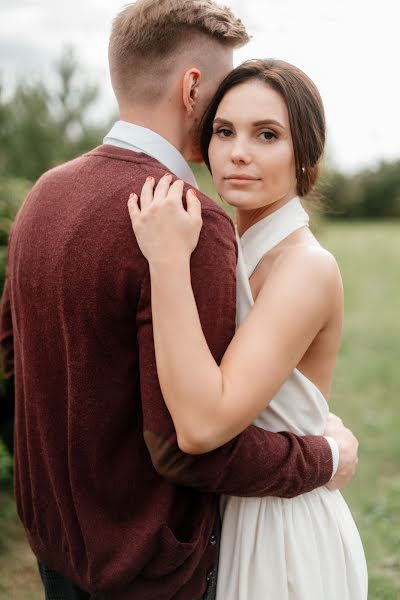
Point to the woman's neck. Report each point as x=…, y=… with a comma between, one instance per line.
x=247, y=218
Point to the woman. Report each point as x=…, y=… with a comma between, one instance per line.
x=263, y=138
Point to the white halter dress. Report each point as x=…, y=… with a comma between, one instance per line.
x=305, y=548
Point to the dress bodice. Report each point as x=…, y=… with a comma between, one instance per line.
x=298, y=406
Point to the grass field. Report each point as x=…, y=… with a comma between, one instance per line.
x=367, y=385
x=365, y=395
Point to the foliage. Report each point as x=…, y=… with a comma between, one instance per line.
x=40, y=128
x=369, y=194
x=5, y=465
x=12, y=191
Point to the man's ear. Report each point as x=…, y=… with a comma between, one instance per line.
x=190, y=89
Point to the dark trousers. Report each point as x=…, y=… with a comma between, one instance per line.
x=58, y=588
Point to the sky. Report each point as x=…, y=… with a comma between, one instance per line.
x=350, y=48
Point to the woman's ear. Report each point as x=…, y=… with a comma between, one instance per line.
x=190, y=89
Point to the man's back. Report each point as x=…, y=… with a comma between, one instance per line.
x=87, y=491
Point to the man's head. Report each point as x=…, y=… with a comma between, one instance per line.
x=167, y=58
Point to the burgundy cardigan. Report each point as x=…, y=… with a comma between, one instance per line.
x=105, y=495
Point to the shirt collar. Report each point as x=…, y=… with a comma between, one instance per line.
x=140, y=139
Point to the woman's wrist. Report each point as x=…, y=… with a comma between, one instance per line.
x=169, y=265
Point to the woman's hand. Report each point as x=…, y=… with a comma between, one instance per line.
x=164, y=230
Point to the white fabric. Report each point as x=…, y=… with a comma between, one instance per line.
x=305, y=548
x=335, y=454
x=270, y=231
x=140, y=139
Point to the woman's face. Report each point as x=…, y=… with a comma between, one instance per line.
x=251, y=151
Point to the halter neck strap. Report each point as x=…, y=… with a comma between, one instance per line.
x=264, y=235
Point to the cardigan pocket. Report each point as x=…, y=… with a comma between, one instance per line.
x=170, y=554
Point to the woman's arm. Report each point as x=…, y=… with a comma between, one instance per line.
x=211, y=404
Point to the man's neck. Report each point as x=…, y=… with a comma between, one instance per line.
x=159, y=120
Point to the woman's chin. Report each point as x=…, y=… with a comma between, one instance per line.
x=242, y=201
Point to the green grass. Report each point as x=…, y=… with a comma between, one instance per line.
x=19, y=579
x=366, y=389
x=365, y=395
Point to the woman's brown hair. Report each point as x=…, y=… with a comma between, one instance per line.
x=304, y=105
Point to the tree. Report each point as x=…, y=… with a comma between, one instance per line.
x=40, y=128
x=369, y=194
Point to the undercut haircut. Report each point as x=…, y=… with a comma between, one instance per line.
x=149, y=34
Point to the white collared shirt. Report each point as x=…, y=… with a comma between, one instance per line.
x=140, y=139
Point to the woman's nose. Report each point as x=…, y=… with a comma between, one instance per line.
x=240, y=153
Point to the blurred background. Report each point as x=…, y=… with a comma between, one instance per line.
x=56, y=102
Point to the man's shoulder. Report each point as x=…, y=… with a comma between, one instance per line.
x=98, y=156
x=210, y=208
x=106, y=164
x=64, y=170
x=118, y=170
x=216, y=219
x=147, y=165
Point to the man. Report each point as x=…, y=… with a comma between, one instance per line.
x=112, y=508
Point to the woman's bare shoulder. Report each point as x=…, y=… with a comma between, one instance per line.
x=304, y=268
x=310, y=258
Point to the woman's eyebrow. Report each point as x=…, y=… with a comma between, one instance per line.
x=220, y=121
x=269, y=122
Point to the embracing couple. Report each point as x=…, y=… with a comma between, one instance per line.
x=159, y=454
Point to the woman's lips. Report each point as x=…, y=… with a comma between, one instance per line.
x=241, y=179
x=242, y=176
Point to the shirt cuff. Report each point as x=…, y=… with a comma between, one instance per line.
x=335, y=454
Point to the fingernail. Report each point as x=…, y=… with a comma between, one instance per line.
x=193, y=192
x=132, y=196
x=167, y=174
x=149, y=178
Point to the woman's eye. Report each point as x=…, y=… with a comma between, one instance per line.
x=268, y=135
x=223, y=133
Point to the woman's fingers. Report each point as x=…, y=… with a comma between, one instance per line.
x=175, y=192
x=162, y=188
x=163, y=191
x=146, y=196
x=133, y=204
x=133, y=208
x=193, y=204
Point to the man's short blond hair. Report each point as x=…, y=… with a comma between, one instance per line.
x=150, y=33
